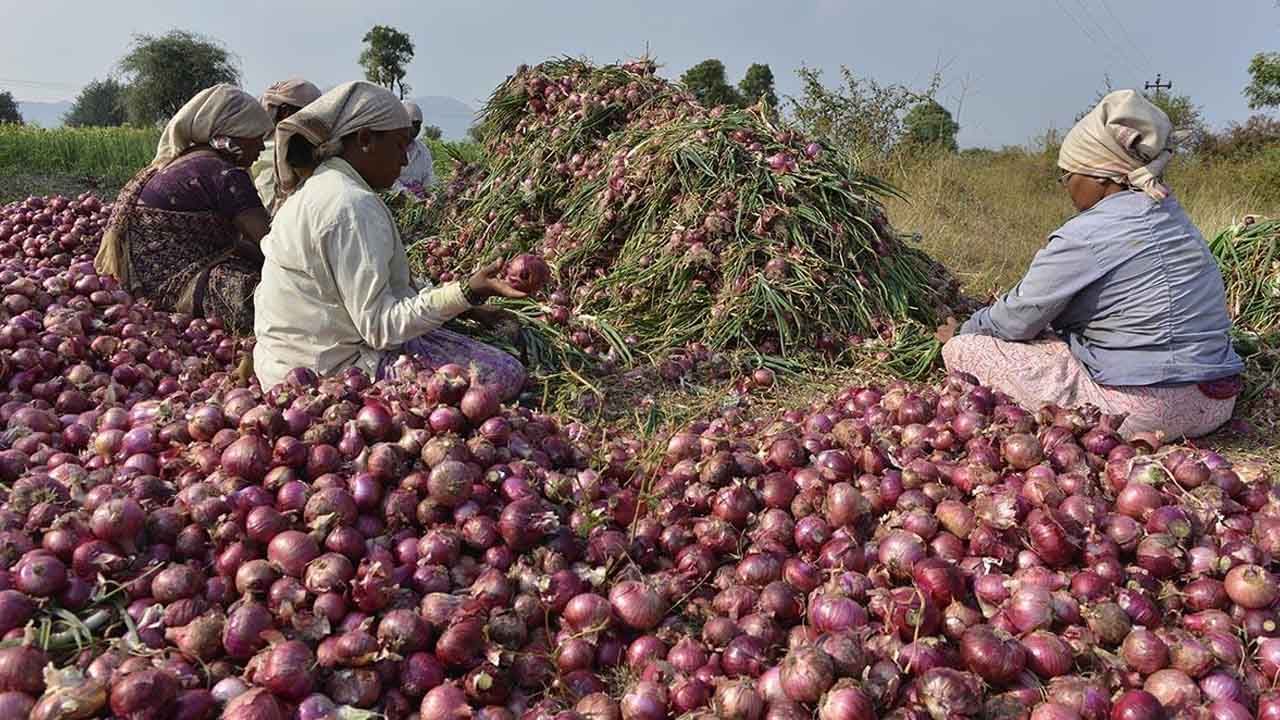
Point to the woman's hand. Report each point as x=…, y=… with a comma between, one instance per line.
x=947, y=330
x=486, y=283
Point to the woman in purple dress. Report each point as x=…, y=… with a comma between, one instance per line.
x=185, y=230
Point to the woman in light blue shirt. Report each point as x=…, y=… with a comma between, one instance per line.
x=1124, y=307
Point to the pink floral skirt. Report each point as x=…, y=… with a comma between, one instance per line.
x=1044, y=372
x=441, y=347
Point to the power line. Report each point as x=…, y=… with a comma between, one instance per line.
x=1088, y=14
x=1129, y=38
x=1085, y=31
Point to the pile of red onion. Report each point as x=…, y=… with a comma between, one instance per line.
x=335, y=547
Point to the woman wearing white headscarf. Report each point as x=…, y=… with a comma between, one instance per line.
x=281, y=100
x=419, y=172
x=185, y=230
x=1124, y=308
x=336, y=289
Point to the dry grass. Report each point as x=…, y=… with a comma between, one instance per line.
x=985, y=214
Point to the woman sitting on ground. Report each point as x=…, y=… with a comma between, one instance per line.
x=418, y=174
x=281, y=101
x=185, y=230
x=1124, y=308
x=336, y=290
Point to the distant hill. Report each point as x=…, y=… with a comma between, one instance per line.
x=451, y=115
x=44, y=114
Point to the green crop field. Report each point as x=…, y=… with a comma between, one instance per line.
x=39, y=161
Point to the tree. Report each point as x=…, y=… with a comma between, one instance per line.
x=432, y=132
x=758, y=83
x=9, y=108
x=165, y=71
x=99, y=104
x=928, y=123
x=387, y=52
x=863, y=118
x=706, y=81
x=1264, y=81
x=1185, y=116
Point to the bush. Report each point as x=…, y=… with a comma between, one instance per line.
x=1241, y=141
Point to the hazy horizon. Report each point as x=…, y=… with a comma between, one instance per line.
x=1009, y=71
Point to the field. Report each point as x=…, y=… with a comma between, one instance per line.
x=982, y=213
x=72, y=160
x=740, y=528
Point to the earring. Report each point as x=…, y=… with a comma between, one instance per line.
x=365, y=149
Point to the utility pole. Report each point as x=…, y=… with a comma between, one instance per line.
x=1158, y=86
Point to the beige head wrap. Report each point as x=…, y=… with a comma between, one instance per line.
x=352, y=106
x=296, y=92
x=415, y=112
x=220, y=111
x=1126, y=139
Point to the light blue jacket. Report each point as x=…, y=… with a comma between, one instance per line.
x=1131, y=286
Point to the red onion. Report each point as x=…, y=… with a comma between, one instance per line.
x=991, y=654
x=248, y=458
x=644, y=701
x=744, y=656
x=899, y=551
x=242, y=634
x=286, y=670
x=736, y=700
x=22, y=670
x=806, y=674
x=291, y=550
x=1172, y=689
x=949, y=693
x=141, y=692
x=527, y=273
x=1047, y=654
x=1251, y=586
x=1144, y=652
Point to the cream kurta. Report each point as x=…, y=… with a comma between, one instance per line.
x=420, y=169
x=336, y=289
x=263, y=172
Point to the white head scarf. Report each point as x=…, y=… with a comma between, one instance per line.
x=350, y=107
x=415, y=112
x=1126, y=139
x=295, y=91
x=222, y=111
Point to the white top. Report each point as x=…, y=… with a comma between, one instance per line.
x=420, y=168
x=336, y=289
x=263, y=172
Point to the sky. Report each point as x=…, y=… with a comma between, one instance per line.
x=1011, y=68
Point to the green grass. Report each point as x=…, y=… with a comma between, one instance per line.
x=72, y=160
x=105, y=153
